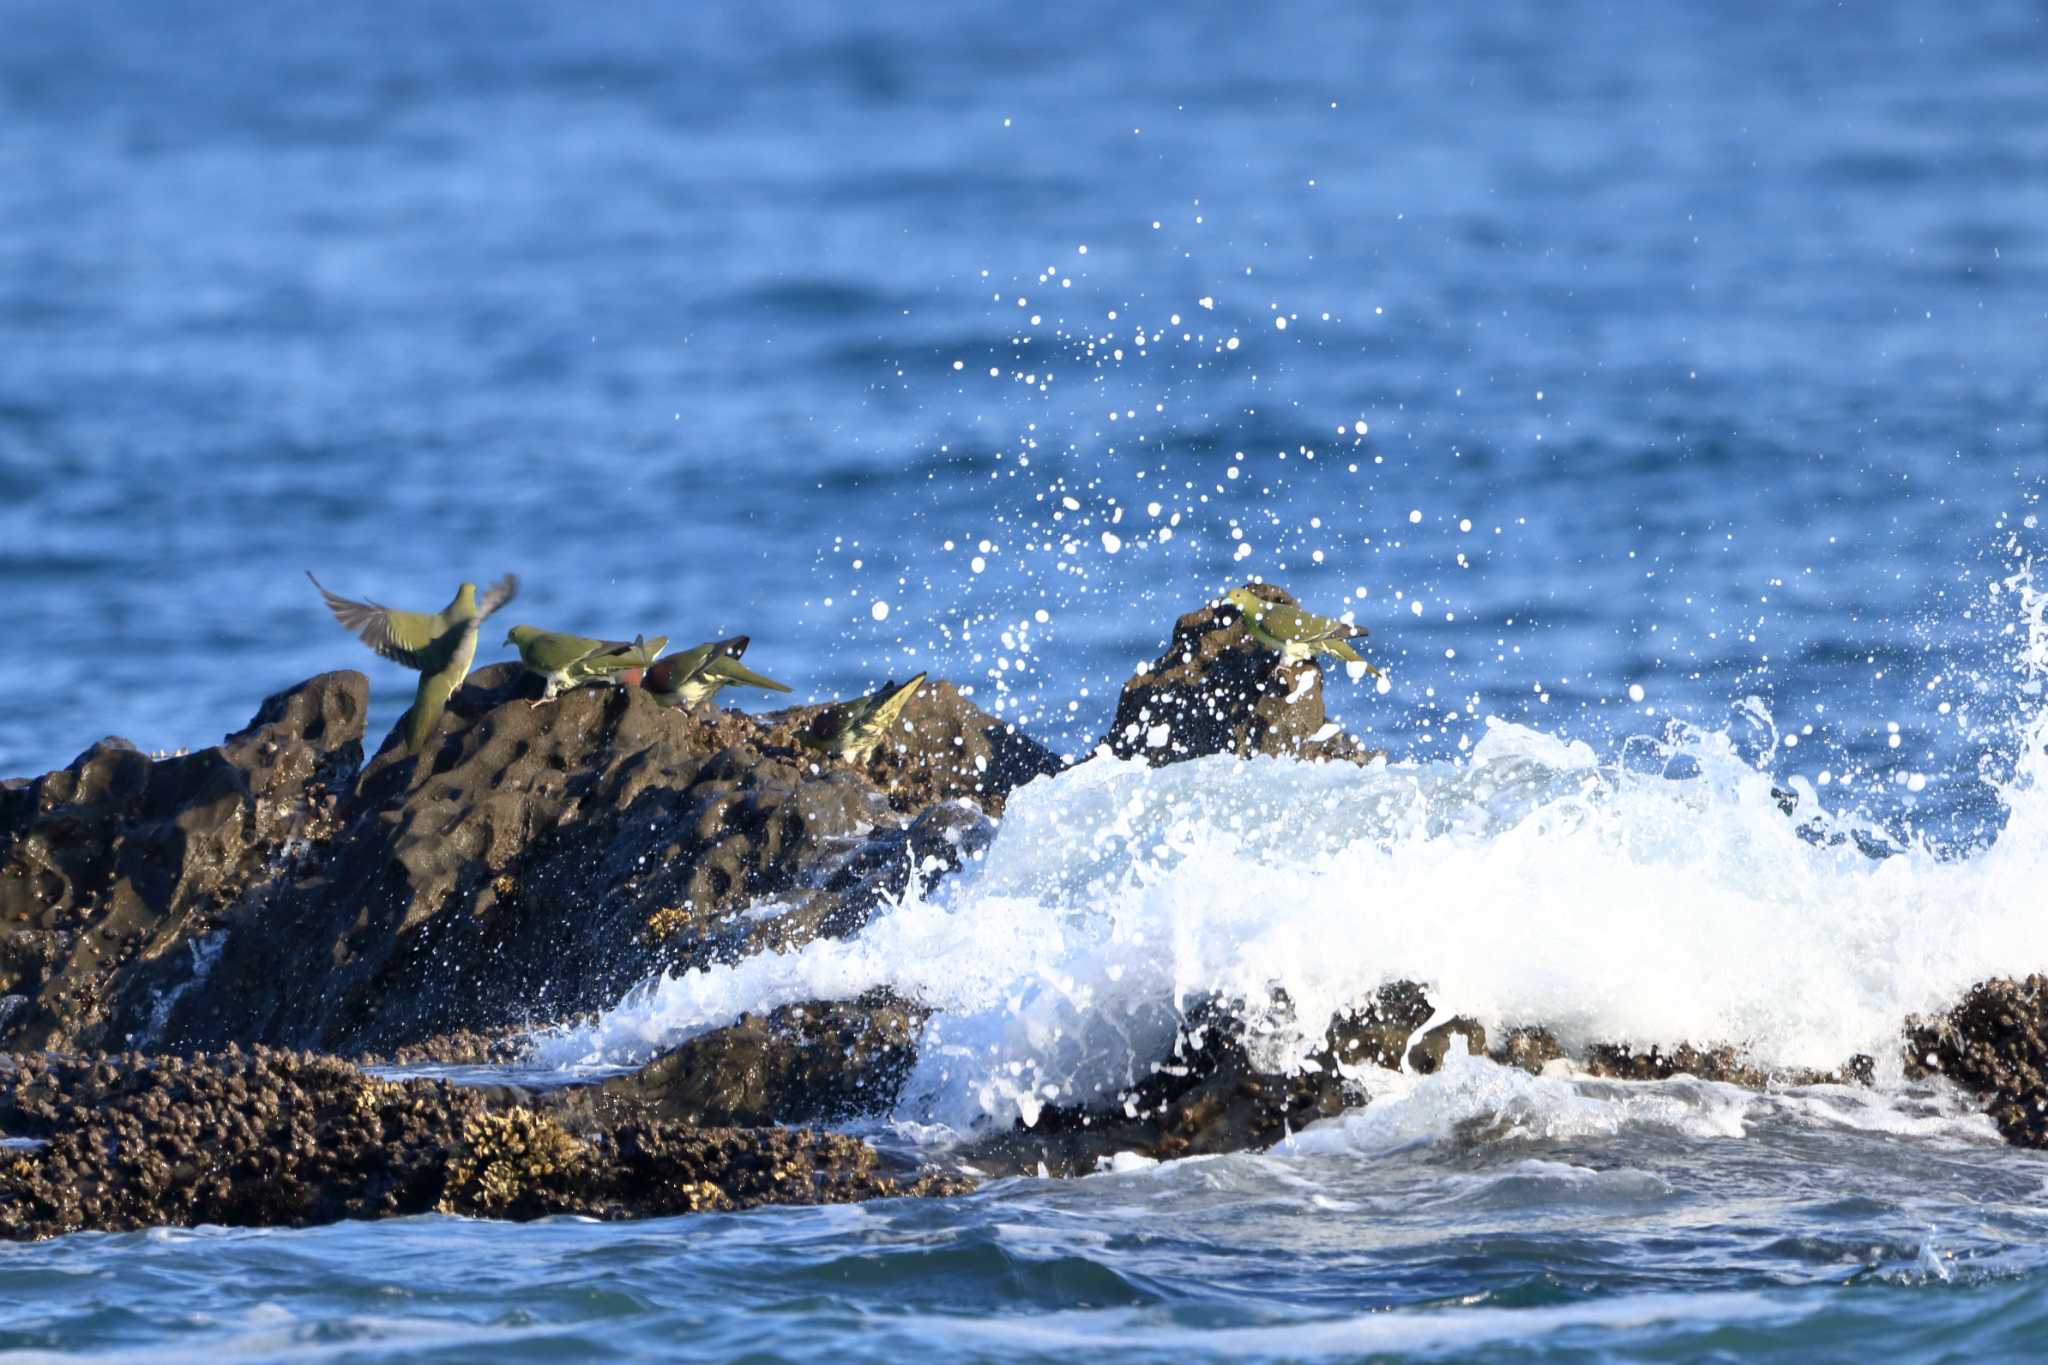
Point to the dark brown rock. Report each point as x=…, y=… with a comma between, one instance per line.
x=1721, y=1062
x=1427, y=1055
x=1208, y=1097
x=463, y=1047
x=944, y=749
x=1531, y=1049
x=533, y=864
x=1216, y=690
x=262, y=1138
x=808, y=1063
x=1377, y=1033
x=114, y=870
x=1994, y=1043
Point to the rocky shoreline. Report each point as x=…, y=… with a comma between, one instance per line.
x=268, y=1138
x=198, y=953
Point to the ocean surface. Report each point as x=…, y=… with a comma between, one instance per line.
x=1664, y=387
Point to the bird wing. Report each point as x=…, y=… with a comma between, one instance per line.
x=685, y=664
x=613, y=656
x=678, y=668
x=405, y=637
x=551, y=651
x=497, y=595
x=1291, y=623
x=642, y=651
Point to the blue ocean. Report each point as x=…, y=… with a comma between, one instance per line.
x=1664, y=387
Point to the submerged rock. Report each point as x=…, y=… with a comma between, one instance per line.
x=1216, y=690
x=262, y=1138
x=1208, y=1097
x=1211, y=1095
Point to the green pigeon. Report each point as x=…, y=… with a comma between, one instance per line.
x=695, y=675
x=1296, y=634
x=851, y=729
x=568, y=661
x=440, y=645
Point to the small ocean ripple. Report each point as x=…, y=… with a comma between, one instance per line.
x=1667, y=1248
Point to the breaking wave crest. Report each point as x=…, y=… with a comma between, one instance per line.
x=1658, y=896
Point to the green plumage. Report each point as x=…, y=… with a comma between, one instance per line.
x=851, y=729
x=1296, y=634
x=691, y=676
x=439, y=645
x=569, y=661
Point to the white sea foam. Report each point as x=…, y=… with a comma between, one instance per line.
x=1511, y=1104
x=1531, y=882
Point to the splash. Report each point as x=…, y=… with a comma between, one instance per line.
x=1660, y=897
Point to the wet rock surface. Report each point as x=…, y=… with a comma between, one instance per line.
x=1208, y=1097
x=463, y=1047
x=1216, y=690
x=530, y=866
x=1994, y=1043
x=1211, y=1095
x=263, y=1138
x=819, y=1062
x=116, y=871
x=1618, y=1061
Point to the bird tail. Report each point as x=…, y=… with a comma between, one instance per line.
x=731, y=669
x=893, y=701
x=639, y=654
x=424, y=716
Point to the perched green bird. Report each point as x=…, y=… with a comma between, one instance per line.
x=851, y=729
x=1296, y=634
x=695, y=675
x=568, y=661
x=440, y=645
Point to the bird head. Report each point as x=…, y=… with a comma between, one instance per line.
x=518, y=636
x=465, y=596
x=1246, y=601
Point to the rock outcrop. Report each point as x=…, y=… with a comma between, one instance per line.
x=536, y=862
x=531, y=865
x=117, y=872
x=262, y=1138
x=1216, y=690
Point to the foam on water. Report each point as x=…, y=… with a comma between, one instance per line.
x=1530, y=883
x=1472, y=1094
